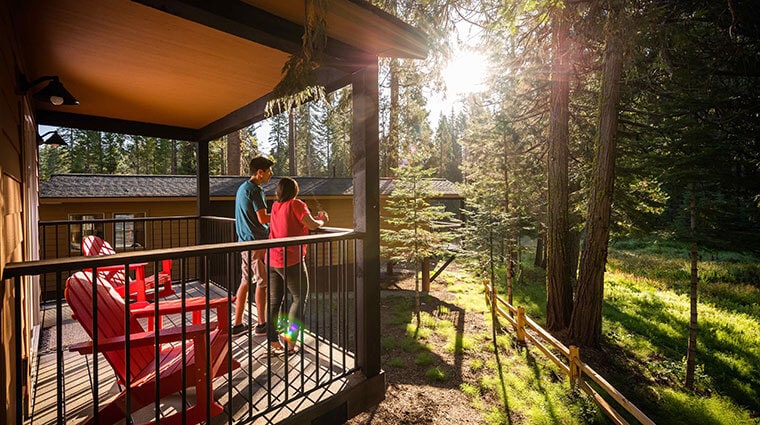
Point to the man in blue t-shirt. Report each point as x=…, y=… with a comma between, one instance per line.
x=252, y=223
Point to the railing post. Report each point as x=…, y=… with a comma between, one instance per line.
x=521, y=325
x=17, y=339
x=574, y=365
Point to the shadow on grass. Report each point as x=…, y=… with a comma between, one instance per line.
x=537, y=375
x=714, y=353
x=499, y=367
x=399, y=342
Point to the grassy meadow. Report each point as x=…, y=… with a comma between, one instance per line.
x=645, y=326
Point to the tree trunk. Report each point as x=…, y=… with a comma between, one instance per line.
x=173, y=167
x=575, y=251
x=389, y=268
x=233, y=153
x=518, y=265
x=510, y=228
x=538, y=261
x=394, y=120
x=691, y=355
x=426, y=275
x=559, y=294
x=292, y=166
x=586, y=323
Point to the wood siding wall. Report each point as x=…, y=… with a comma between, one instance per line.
x=11, y=217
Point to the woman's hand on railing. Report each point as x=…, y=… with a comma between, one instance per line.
x=322, y=215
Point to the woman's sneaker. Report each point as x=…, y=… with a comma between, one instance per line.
x=240, y=329
x=260, y=330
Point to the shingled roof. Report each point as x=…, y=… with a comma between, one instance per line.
x=157, y=186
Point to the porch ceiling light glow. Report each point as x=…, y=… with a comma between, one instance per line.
x=55, y=140
x=54, y=93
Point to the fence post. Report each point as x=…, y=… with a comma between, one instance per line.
x=521, y=325
x=574, y=365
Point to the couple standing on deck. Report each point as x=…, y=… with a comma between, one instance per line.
x=290, y=217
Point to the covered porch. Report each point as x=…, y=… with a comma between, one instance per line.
x=324, y=380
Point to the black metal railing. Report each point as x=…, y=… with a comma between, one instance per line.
x=255, y=382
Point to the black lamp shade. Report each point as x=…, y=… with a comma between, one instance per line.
x=55, y=94
x=54, y=140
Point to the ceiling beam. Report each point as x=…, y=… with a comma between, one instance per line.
x=259, y=26
x=112, y=125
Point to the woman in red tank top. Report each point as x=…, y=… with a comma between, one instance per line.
x=290, y=217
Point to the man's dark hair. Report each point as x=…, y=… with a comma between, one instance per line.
x=286, y=189
x=260, y=163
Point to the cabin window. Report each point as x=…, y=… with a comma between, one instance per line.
x=129, y=233
x=86, y=227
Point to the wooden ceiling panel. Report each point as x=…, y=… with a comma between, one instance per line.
x=192, y=69
x=128, y=61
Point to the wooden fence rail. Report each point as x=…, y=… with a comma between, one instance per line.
x=572, y=365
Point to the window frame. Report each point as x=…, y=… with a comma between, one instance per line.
x=131, y=231
x=77, y=231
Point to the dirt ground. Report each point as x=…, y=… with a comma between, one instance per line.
x=411, y=396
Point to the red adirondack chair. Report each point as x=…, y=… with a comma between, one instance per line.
x=93, y=245
x=112, y=335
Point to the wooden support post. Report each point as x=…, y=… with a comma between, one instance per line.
x=426, y=274
x=574, y=365
x=365, y=143
x=521, y=325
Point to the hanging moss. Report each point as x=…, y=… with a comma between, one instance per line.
x=299, y=81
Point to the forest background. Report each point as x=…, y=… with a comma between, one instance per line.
x=596, y=120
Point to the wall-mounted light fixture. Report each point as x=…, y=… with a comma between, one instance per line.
x=55, y=140
x=54, y=93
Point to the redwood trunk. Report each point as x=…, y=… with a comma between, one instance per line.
x=233, y=153
x=559, y=295
x=586, y=323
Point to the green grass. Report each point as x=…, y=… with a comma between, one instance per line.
x=435, y=373
x=645, y=323
x=476, y=365
x=395, y=362
x=424, y=359
x=470, y=390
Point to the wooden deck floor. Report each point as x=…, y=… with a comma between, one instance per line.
x=264, y=387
